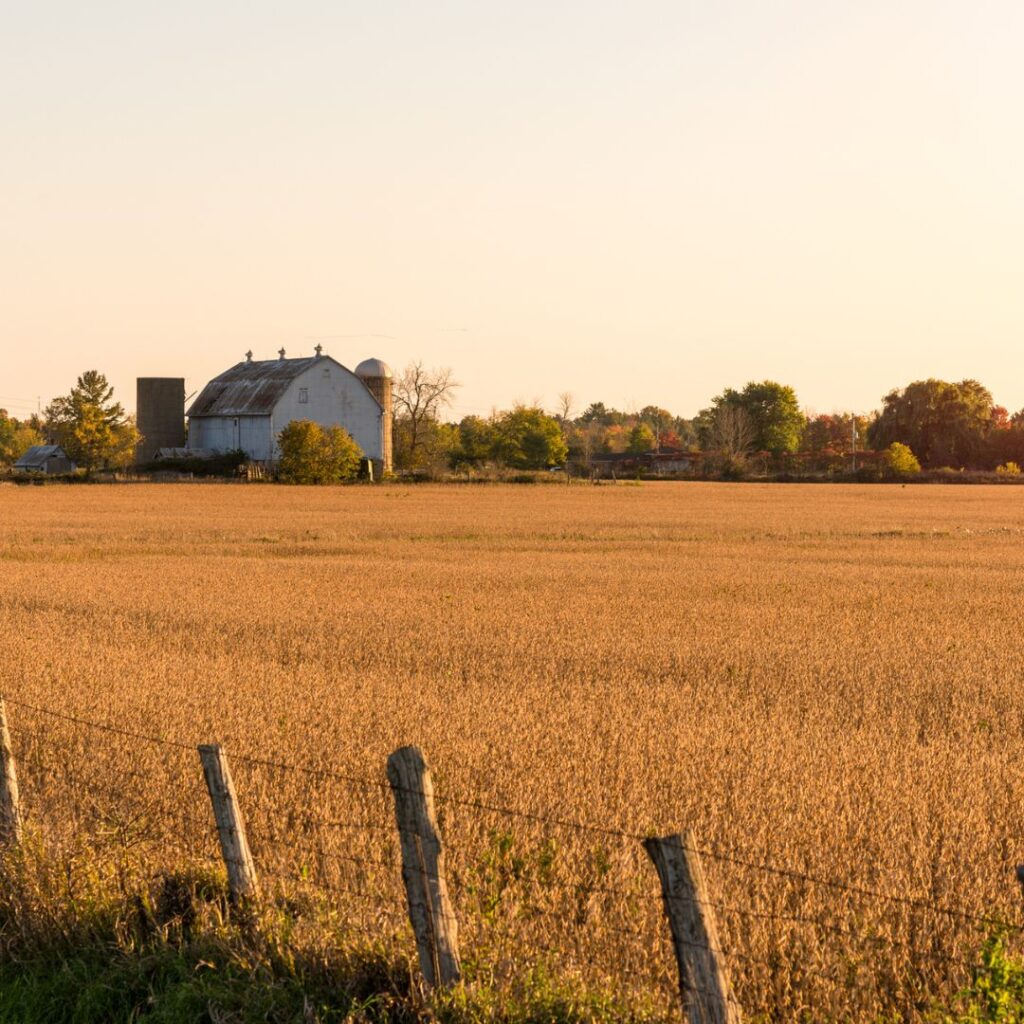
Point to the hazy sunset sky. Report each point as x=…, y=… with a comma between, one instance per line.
x=638, y=202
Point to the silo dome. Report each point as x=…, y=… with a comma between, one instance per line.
x=373, y=368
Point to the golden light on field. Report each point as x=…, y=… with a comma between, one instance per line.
x=821, y=679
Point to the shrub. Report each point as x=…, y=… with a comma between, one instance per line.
x=311, y=454
x=733, y=467
x=996, y=992
x=901, y=460
x=868, y=472
x=223, y=464
x=1008, y=469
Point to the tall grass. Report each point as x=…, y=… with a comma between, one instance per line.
x=823, y=680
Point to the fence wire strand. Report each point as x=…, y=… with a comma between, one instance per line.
x=581, y=890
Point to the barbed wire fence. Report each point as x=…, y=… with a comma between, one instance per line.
x=274, y=828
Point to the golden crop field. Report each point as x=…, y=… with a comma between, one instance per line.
x=823, y=681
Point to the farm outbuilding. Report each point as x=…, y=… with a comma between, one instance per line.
x=50, y=459
x=160, y=409
x=247, y=406
x=661, y=462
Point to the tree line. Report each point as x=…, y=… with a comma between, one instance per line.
x=933, y=423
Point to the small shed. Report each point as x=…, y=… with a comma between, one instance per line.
x=50, y=459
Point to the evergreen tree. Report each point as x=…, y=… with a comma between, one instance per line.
x=91, y=426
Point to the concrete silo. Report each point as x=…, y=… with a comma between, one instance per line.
x=160, y=415
x=377, y=376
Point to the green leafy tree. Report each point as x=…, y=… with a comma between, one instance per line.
x=311, y=454
x=527, y=438
x=90, y=426
x=437, y=446
x=775, y=416
x=945, y=424
x=16, y=437
x=641, y=439
x=900, y=459
x=598, y=412
x=477, y=438
x=772, y=411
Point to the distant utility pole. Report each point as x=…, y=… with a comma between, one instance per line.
x=853, y=441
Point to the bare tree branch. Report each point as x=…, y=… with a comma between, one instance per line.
x=565, y=406
x=419, y=395
x=732, y=433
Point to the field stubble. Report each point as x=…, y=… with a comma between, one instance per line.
x=821, y=679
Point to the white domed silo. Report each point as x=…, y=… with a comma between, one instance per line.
x=377, y=376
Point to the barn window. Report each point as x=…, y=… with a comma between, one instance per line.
x=303, y=396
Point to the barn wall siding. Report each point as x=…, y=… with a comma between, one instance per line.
x=255, y=437
x=229, y=433
x=337, y=397
x=215, y=433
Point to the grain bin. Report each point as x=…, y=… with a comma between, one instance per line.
x=160, y=413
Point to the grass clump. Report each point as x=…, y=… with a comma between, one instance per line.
x=177, y=951
x=995, y=994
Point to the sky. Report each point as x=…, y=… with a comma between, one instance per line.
x=639, y=203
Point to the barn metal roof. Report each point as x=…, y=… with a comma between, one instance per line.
x=251, y=388
x=36, y=456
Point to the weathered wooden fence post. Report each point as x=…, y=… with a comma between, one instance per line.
x=234, y=846
x=430, y=910
x=703, y=982
x=10, y=804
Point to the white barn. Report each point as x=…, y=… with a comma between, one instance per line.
x=247, y=406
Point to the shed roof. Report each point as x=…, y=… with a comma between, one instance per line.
x=251, y=388
x=36, y=456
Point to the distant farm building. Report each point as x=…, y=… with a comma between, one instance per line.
x=247, y=406
x=660, y=462
x=160, y=405
x=50, y=459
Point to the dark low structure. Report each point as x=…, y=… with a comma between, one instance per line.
x=660, y=462
x=179, y=454
x=50, y=459
x=160, y=409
